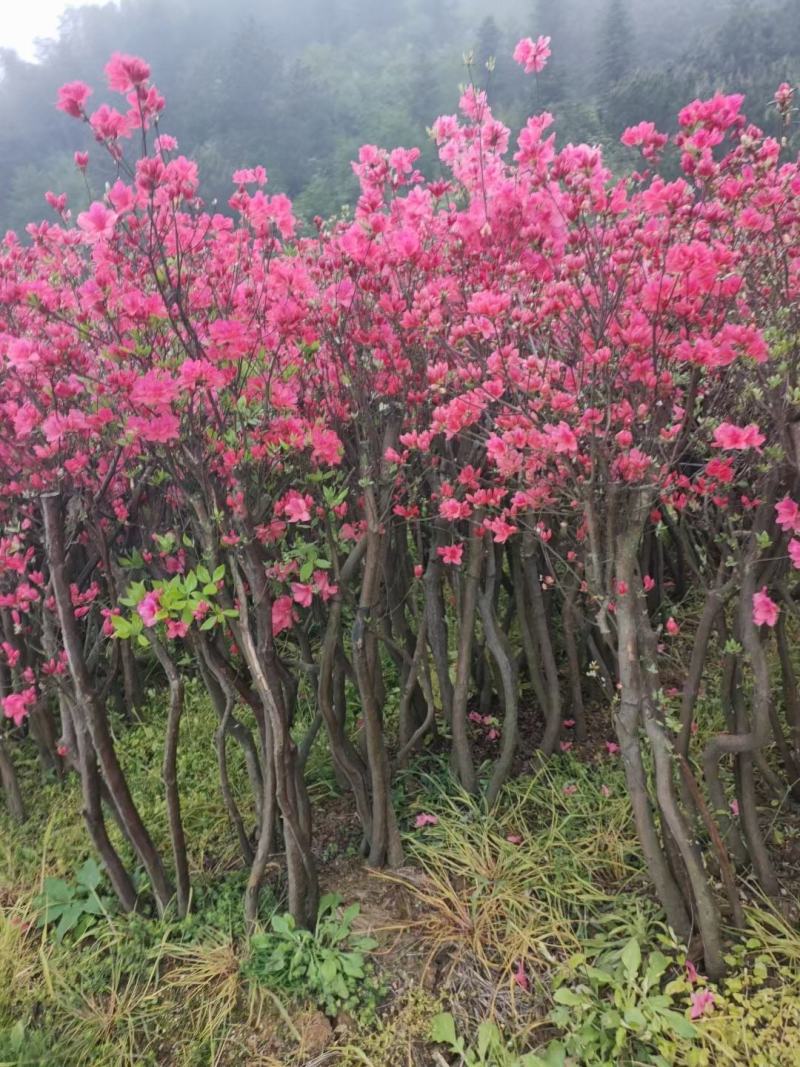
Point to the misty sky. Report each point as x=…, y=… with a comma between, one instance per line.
x=21, y=23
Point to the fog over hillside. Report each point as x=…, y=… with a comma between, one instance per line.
x=299, y=85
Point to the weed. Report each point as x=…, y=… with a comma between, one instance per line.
x=73, y=907
x=490, y=1048
x=620, y=1012
x=328, y=965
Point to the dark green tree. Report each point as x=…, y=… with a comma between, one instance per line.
x=550, y=19
x=617, y=44
x=494, y=67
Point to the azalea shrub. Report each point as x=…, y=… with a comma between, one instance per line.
x=504, y=447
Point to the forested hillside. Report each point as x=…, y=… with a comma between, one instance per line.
x=300, y=86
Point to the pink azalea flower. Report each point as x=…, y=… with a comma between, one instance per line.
x=323, y=586
x=451, y=554
x=568, y=724
x=97, y=223
x=673, y=629
x=501, y=529
x=149, y=607
x=176, y=628
x=453, y=509
x=788, y=515
x=765, y=610
x=514, y=839
x=72, y=98
x=648, y=583
x=418, y=570
x=532, y=55
x=159, y=429
x=302, y=594
x=425, y=819
x=612, y=748
x=702, y=1003
x=734, y=806
x=783, y=96
x=296, y=508
x=12, y=654
x=520, y=977
x=730, y=437
x=645, y=136
x=565, y=746
x=250, y=176
x=282, y=615
x=794, y=552
x=126, y=72
x=570, y=790
x=17, y=706
x=691, y=971
x=165, y=143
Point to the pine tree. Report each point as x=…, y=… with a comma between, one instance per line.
x=487, y=45
x=616, y=56
x=494, y=67
x=550, y=20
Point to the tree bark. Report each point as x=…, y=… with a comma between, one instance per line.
x=95, y=715
x=8, y=777
x=169, y=773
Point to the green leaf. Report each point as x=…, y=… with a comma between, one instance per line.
x=329, y=902
x=306, y=570
x=92, y=905
x=634, y=1017
x=69, y=919
x=631, y=957
x=329, y=971
x=89, y=875
x=56, y=891
x=680, y=1025
x=555, y=1056
x=443, y=1029
x=353, y=964
x=349, y=914
x=656, y=965
x=364, y=944
x=219, y=573
x=282, y=924
x=567, y=997
x=122, y=628
x=488, y=1039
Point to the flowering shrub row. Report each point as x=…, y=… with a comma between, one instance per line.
x=507, y=433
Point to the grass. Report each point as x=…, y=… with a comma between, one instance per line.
x=523, y=886
x=553, y=871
